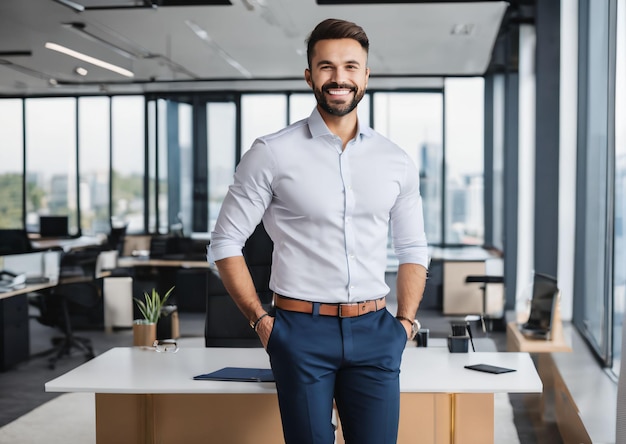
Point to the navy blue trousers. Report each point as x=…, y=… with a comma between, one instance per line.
x=355, y=361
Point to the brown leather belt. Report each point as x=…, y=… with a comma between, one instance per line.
x=340, y=310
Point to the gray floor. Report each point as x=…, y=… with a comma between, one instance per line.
x=22, y=387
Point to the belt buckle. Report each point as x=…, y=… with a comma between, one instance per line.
x=339, y=310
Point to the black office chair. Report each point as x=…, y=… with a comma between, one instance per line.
x=75, y=303
x=225, y=325
x=116, y=237
x=14, y=241
x=258, y=254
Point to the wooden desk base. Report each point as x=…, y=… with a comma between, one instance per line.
x=254, y=419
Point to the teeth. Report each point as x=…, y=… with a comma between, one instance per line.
x=338, y=92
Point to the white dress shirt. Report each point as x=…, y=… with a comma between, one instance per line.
x=327, y=211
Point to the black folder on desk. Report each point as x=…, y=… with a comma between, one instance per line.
x=238, y=374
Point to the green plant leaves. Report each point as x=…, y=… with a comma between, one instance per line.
x=151, y=306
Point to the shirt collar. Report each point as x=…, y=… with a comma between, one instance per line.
x=318, y=127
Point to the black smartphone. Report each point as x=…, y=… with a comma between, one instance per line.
x=489, y=368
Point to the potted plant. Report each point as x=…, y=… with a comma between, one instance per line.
x=144, y=330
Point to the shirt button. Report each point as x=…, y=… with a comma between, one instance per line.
x=352, y=256
x=351, y=287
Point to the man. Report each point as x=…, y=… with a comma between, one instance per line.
x=327, y=188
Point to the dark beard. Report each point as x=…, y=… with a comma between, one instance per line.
x=337, y=110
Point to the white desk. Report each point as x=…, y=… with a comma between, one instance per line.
x=145, y=396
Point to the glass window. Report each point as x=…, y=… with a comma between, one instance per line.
x=300, y=106
x=51, y=160
x=221, y=129
x=94, y=165
x=464, y=161
x=261, y=114
x=619, y=222
x=596, y=147
x=11, y=163
x=128, y=161
x=498, y=162
x=414, y=121
x=182, y=214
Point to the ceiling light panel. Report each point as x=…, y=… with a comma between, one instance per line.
x=88, y=59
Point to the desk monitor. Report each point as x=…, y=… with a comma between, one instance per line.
x=542, y=308
x=53, y=226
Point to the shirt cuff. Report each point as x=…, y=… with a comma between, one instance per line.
x=215, y=254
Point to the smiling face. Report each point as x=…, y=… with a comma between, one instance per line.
x=338, y=75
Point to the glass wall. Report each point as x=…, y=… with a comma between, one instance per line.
x=158, y=156
x=170, y=160
x=128, y=166
x=619, y=218
x=593, y=322
x=221, y=147
x=93, y=163
x=11, y=163
x=464, y=161
x=497, y=197
x=182, y=213
x=51, y=161
x=414, y=121
x=261, y=114
x=300, y=106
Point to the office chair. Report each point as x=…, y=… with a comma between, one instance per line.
x=75, y=303
x=258, y=254
x=116, y=237
x=225, y=325
x=14, y=241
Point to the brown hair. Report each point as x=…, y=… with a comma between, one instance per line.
x=335, y=29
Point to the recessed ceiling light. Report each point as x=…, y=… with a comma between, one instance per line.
x=80, y=71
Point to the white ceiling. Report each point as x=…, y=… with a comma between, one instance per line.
x=267, y=41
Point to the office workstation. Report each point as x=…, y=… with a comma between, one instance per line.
x=513, y=131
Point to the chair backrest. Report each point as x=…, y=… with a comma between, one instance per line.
x=116, y=238
x=14, y=241
x=258, y=254
x=225, y=325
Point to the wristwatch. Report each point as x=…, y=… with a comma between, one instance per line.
x=415, y=326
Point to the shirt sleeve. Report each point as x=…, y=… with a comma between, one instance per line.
x=407, y=221
x=245, y=203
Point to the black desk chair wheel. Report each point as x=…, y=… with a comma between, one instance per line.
x=485, y=319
